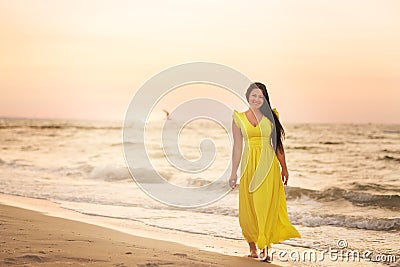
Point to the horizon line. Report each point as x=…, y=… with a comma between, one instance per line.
x=122, y=120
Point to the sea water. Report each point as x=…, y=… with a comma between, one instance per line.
x=344, y=178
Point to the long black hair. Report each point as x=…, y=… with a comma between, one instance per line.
x=267, y=111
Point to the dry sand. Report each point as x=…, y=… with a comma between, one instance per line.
x=30, y=238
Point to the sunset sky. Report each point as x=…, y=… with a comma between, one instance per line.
x=323, y=61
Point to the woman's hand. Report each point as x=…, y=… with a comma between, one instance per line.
x=285, y=176
x=233, y=180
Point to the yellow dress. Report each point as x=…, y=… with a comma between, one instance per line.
x=262, y=202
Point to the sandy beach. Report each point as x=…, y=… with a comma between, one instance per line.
x=33, y=238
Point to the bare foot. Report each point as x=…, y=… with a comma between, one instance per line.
x=253, y=254
x=264, y=255
x=253, y=250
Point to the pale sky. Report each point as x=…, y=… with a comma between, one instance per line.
x=323, y=61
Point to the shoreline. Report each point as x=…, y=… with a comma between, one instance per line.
x=40, y=232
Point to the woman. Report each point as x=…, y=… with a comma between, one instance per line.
x=262, y=205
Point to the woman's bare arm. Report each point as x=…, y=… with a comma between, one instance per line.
x=236, y=153
x=280, y=154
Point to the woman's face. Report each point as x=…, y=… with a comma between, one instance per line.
x=256, y=98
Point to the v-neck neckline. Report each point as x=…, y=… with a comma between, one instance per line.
x=250, y=121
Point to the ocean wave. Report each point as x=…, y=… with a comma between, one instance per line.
x=357, y=198
x=77, y=127
x=331, y=143
x=197, y=182
x=301, y=147
x=373, y=187
x=38, y=124
x=115, y=173
x=376, y=137
x=389, y=158
x=109, y=173
x=60, y=127
x=391, y=131
x=391, y=151
x=360, y=222
x=17, y=163
x=313, y=219
x=316, y=220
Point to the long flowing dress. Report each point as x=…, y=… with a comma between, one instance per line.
x=263, y=213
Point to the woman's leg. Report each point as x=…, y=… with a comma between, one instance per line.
x=253, y=250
